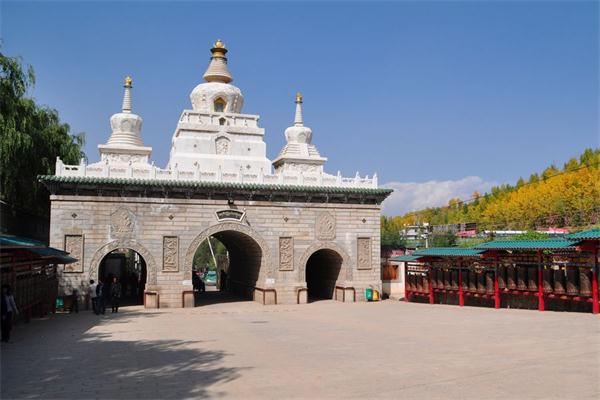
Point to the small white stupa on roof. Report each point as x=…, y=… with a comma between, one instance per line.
x=125, y=143
x=299, y=154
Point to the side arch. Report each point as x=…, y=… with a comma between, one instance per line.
x=316, y=246
x=124, y=244
x=265, y=266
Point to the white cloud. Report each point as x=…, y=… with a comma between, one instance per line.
x=412, y=196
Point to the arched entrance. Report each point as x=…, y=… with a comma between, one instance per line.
x=130, y=269
x=323, y=269
x=246, y=265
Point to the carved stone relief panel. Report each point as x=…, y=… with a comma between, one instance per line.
x=74, y=246
x=222, y=145
x=122, y=223
x=325, y=226
x=170, y=253
x=286, y=254
x=364, y=253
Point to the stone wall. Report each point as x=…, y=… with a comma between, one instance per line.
x=166, y=232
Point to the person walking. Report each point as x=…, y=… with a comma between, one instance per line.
x=9, y=309
x=93, y=296
x=100, y=297
x=115, y=294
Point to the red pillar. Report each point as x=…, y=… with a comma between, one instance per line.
x=496, y=284
x=431, y=299
x=406, y=291
x=461, y=295
x=541, y=305
x=595, y=305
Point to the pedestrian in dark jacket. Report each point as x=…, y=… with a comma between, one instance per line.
x=115, y=294
x=9, y=309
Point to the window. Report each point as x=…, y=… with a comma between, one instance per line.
x=220, y=105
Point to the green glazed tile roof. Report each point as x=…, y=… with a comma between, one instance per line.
x=212, y=185
x=448, y=252
x=589, y=234
x=405, y=258
x=16, y=241
x=528, y=244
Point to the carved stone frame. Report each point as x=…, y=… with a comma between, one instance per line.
x=265, y=266
x=359, y=251
x=176, y=267
x=346, y=260
x=81, y=258
x=282, y=239
x=124, y=244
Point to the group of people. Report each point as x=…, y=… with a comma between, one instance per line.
x=97, y=295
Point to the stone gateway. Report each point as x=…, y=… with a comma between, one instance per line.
x=291, y=230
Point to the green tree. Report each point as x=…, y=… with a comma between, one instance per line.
x=31, y=137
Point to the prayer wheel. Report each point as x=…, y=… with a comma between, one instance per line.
x=465, y=280
x=522, y=277
x=434, y=273
x=411, y=282
x=481, y=282
x=440, y=278
x=532, y=275
x=419, y=283
x=472, y=280
x=572, y=281
x=585, y=281
x=511, y=277
x=559, y=281
x=547, y=278
x=454, y=279
x=426, y=282
x=489, y=282
x=502, y=276
x=447, y=279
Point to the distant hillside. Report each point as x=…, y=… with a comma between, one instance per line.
x=559, y=197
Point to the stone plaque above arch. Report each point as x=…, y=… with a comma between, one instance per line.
x=124, y=244
x=325, y=226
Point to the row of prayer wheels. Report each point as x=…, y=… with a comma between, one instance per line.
x=574, y=281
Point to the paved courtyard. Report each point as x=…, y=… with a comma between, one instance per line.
x=320, y=350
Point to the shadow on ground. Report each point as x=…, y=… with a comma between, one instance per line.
x=68, y=359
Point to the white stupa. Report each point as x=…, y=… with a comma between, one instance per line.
x=125, y=145
x=299, y=154
x=215, y=137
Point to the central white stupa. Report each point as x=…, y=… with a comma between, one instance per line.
x=214, y=136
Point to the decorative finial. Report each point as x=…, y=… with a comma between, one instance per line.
x=128, y=82
x=127, y=95
x=217, y=68
x=298, y=118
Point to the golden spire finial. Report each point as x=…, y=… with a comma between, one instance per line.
x=128, y=82
x=298, y=97
x=219, y=44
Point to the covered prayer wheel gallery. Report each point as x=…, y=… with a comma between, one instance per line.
x=559, y=274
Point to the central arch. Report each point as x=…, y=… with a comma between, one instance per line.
x=249, y=254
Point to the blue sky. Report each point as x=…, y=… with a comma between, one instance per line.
x=439, y=98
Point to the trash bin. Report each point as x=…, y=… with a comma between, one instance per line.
x=375, y=295
x=60, y=303
x=369, y=294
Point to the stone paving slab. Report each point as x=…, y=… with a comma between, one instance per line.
x=320, y=350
